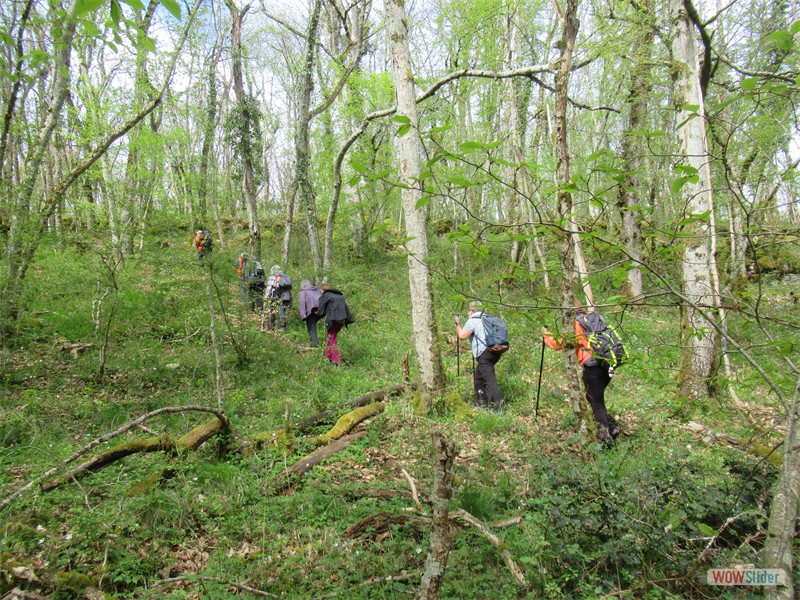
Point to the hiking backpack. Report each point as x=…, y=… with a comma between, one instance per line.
x=606, y=345
x=285, y=290
x=496, y=332
x=204, y=239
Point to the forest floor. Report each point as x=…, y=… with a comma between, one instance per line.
x=678, y=495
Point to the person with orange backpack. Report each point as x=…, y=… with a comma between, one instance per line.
x=204, y=244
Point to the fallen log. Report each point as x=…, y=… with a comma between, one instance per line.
x=348, y=422
x=163, y=443
x=380, y=523
x=327, y=415
x=751, y=446
x=304, y=465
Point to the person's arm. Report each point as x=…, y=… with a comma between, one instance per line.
x=551, y=341
x=462, y=332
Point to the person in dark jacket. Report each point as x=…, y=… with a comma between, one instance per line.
x=309, y=304
x=333, y=307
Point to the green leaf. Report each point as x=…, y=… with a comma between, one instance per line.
x=749, y=84
x=459, y=180
x=778, y=36
x=173, y=7
x=148, y=43
x=471, y=146
x=795, y=27
x=116, y=12
x=401, y=119
x=403, y=129
x=595, y=155
x=84, y=7
x=691, y=107
x=354, y=180
x=706, y=529
x=677, y=184
x=441, y=129
x=422, y=202
x=358, y=166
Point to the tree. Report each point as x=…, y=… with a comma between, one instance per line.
x=409, y=156
x=246, y=127
x=698, y=338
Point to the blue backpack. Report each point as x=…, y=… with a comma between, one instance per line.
x=496, y=332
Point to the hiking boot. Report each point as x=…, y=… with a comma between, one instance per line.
x=481, y=401
x=613, y=428
x=604, y=435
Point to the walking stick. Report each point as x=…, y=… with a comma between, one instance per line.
x=458, y=352
x=539, y=386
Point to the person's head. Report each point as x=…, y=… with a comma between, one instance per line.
x=579, y=308
x=275, y=270
x=473, y=307
x=243, y=256
x=305, y=283
x=325, y=287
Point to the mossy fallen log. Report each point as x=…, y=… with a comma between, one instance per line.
x=327, y=415
x=163, y=443
x=348, y=422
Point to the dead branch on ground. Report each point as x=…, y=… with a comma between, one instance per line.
x=751, y=446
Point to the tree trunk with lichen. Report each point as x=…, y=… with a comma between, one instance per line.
x=698, y=337
x=409, y=157
x=441, y=540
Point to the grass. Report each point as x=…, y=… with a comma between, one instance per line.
x=632, y=521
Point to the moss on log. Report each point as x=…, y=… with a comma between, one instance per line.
x=348, y=422
x=163, y=443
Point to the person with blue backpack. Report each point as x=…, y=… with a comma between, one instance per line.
x=486, y=354
x=597, y=370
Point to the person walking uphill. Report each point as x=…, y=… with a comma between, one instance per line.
x=278, y=296
x=309, y=306
x=204, y=243
x=596, y=378
x=333, y=307
x=487, y=392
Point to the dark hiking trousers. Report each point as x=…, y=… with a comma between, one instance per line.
x=311, y=326
x=486, y=390
x=596, y=379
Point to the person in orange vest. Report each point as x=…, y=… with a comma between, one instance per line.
x=204, y=244
x=596, y=378
x=243, y=272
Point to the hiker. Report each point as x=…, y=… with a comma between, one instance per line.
x=243, y=272
x=333, y=307
x=256, y=284
x=204, y=244
x=277, y=296
x=487, y=392
x=596, y=378
x=309, y=304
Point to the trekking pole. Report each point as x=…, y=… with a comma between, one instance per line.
x=539, y=386
x=458, y=351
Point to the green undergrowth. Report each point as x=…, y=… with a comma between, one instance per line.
x=579, y=520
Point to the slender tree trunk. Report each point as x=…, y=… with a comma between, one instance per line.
x=780, y=542
x=248, y=183
x=629, y=193
x=441, y=540
x=698, y=338
x=302, y=143
x=566, y=209
x=409, y=158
